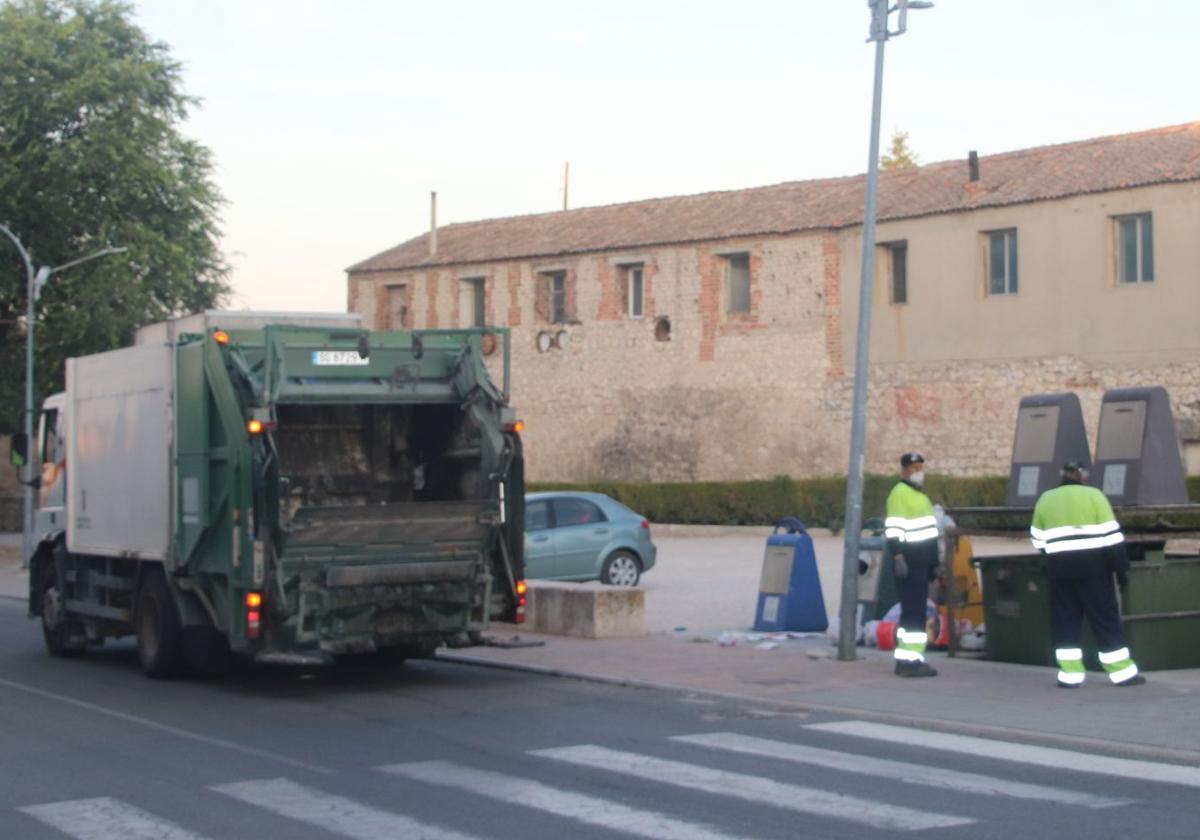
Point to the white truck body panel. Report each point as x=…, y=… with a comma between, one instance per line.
x=120, y=461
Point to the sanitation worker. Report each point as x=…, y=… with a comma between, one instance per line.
x=912, y=542
x=1075, y=526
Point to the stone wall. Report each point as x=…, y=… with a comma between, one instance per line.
x=690, y=392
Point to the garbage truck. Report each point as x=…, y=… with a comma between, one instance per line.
x=288, y=488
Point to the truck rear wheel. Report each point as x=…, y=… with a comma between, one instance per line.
x=159, y=636
x=63, y=636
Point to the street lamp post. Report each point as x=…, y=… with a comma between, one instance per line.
x=34, y=282
x=848, y=614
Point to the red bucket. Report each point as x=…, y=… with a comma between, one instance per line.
x=885, y=635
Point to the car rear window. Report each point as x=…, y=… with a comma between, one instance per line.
x=570, y=511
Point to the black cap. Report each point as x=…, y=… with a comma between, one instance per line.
x=910, y=458
x=1073, y=466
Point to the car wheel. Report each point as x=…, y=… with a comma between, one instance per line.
x=622, y=568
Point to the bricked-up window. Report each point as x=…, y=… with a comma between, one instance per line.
x=635, y=290
x=896, y=254
x=1135, y=248
x=737, y=281
x=1002, y=262
x=476, y=288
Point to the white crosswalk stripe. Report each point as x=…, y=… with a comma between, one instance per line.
x=540, y=797
x=899, y=771
x=758, y=789
x=1058, y=759
x=336, y=814
x=103, y=818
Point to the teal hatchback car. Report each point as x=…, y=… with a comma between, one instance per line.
x=585, y=536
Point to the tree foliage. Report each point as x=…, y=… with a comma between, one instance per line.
x=91, y=155
x=899, y=155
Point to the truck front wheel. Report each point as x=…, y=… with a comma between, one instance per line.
x=159, y=636
x=63, y=637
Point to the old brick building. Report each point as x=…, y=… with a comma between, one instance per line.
x=711, y=336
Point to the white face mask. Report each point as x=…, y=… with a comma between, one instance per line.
x=917, y=478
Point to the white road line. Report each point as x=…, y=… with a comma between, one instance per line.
x=106, y=819
x=530, y=794
x=335, y=814
x=754, y=789
x=162, y=727
x=1079, y=762
x=898, y=771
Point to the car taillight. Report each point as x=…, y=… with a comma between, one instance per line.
x=253, y=614
x=522, y=588
x=646, y=525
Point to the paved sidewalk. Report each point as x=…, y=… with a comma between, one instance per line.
x=707, y=585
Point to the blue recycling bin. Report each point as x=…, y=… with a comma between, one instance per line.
x=789, y=592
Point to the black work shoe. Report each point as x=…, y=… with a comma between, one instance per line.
x=915, y=669
x=1136, y=679
x=1068, y=685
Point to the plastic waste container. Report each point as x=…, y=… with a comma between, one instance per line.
x=789, y=591
x=1016, y=609
x=1160, y=608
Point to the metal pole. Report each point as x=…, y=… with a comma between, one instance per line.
x=848, y=614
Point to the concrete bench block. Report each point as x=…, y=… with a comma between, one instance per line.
x=587, y=610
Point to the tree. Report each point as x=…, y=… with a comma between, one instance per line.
x=899, y=156
x=91, y=155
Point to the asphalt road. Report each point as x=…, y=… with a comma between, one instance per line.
x=94, y=750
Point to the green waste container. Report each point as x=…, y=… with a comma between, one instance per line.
x=1161, y=611
x=1016, y=608
x=1160, y=608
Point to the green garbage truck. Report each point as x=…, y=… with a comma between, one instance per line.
x=288, y=488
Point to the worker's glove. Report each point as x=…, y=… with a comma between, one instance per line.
x=899, y=566
x=1122, y=579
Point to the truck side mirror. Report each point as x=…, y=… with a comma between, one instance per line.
x=18, y=451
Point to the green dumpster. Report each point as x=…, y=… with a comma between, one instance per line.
x=1160, y=608
x=1161, y=611
x=1016, y=609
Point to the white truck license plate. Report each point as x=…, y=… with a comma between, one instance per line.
x=338, y=357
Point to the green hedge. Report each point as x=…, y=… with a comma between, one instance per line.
x=818, y=502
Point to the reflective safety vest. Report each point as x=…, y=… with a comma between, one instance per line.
x=1073, y=517
x=910, y=516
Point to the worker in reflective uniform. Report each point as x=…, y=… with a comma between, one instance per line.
x=912, y=540
x=1075, y=526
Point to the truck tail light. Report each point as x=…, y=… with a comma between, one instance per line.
x=253, y=614
x=522, y=589
x=517, y=426
x=254, y=427
x=221, y=337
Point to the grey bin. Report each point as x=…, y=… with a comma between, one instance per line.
x=1137, y=449
x=1049, y=432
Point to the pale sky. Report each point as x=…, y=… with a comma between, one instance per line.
x=331, y=122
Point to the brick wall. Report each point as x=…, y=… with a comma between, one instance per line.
x=749, y=395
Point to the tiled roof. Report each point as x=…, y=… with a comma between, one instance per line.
x=1047, y=172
